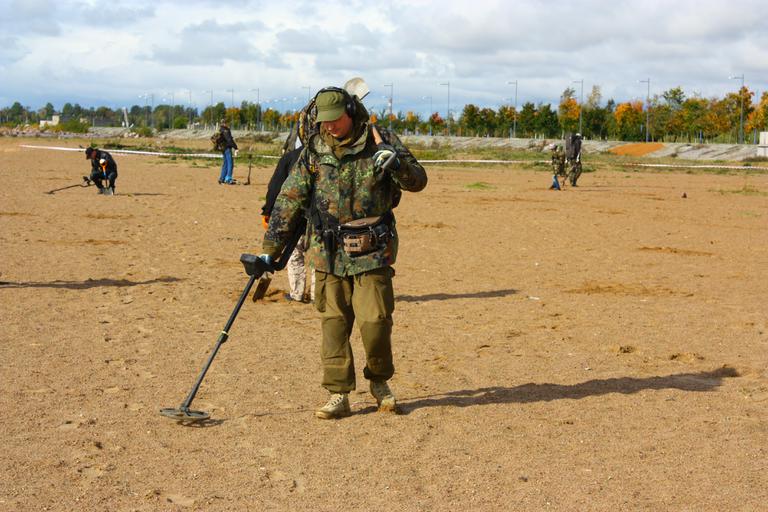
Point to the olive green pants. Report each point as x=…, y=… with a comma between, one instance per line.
x=368, y=298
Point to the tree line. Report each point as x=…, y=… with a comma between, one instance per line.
x=668, y=117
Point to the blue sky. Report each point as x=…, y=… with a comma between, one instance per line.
x=120, y=53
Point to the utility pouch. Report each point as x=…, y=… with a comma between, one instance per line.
x=363, y=236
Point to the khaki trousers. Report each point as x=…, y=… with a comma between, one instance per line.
x=368, y=298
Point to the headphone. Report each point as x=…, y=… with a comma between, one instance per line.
x=349, y=103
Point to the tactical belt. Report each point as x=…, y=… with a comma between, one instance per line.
x=363, y=236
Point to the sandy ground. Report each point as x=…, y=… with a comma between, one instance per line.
x=600, y=348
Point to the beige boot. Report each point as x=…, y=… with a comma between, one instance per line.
x=384, y=396
x=336, y=407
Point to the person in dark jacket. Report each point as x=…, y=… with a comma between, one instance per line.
x=226, y=145
x=103, y=167
x=297, y=271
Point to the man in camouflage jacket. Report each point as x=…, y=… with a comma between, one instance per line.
x=341, y=176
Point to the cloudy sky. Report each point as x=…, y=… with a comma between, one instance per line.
x=120, y=53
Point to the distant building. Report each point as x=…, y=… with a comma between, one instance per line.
x=762, y=148
x=54, y=121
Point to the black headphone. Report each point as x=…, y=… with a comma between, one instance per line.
x=349, y=103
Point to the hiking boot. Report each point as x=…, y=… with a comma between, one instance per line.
x=336, y=407
x=383, y=395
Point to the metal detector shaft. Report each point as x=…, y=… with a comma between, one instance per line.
x=222, y=338
x=86, y=183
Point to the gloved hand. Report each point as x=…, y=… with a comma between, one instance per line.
x=265, y=221
x=255, y=267
x=383, y=153
x=236, y=152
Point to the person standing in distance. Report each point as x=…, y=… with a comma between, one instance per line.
x=227, y=145
x=350, y=176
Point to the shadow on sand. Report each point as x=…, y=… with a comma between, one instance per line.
x=527, y=393
x=88, y=283
x=450, y=296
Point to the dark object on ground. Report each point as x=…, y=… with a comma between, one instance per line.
x=86, y=183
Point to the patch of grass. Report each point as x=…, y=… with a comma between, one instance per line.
x=143, y=131
x=480, y=185
x=71, y=126
x=746, y=190
x=203, y=163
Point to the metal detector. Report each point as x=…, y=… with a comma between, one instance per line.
x=86, y=183
x=255, y=267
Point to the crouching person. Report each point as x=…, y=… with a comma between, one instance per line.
x=103, y=168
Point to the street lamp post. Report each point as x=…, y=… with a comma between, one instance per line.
x=190, y=107
x=741, y=115
x=258, y=107
x=173, y=106
x=232, y=100
x=210, y=105
x=647, y=108
x=448, y=108
x=430, y=112
x=391, y=92
x=514, y=120
x=581, y=99
x=146, y=104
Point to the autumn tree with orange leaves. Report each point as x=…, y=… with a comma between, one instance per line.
x=629, y=118
x=568, y=111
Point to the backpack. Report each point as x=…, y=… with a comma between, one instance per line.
x=217, y=139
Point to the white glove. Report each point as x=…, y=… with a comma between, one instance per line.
x=382, y=156
x=236, y=152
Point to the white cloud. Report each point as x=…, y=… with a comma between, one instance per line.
x=109, y=52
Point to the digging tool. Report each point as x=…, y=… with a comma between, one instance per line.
x=378, y=140
x=357, y=87
x=250, y=162
x=255, y=267
x=86, y=183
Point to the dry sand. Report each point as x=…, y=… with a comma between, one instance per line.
x=595, y=349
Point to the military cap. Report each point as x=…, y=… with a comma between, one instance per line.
x=330, y=105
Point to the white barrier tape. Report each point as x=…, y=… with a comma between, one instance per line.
x=624, y=164
x=136, y=152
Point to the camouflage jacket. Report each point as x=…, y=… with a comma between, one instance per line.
x=347, y=187
x=558, y=161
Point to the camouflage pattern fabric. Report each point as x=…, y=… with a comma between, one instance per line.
x=341, y=178
x=575, y=172
x=558, y=161
x=297, y=273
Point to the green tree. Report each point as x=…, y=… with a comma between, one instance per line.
x=469, y=121
x=271, y=119
x=547, y=123
x=505, y=120
x=488, y=122
x=526, y=122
